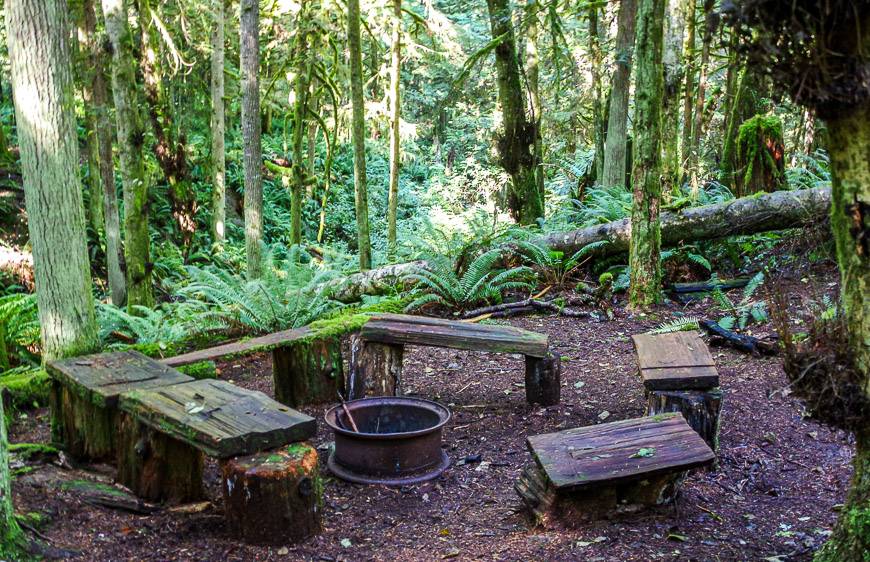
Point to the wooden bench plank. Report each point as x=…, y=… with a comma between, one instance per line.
x=218, y=418
x=607, y=454
x=677, y=361
x=103, y=377
x=420, y=330
x=262, y=343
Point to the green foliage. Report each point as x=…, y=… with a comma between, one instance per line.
x=683, y=324
x=810, y=171
x=689, y=254
x=201, y=370
x=19, y=319
x=747, y=309
x=552, y=267
x=752, y=139
x=26, y=386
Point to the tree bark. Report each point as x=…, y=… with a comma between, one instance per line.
x=689, y=88
x=598, y=124
x=533, y=72
x=39, y=57
x=646, y=273
x=617, y=122
x=710, y=23
x=218, y=126
x=359, y=135
x=303, y=63
x=11, y=537
x=131, y=138
x=516, y=142
x=249, y=63
x=672, y=58
x=395, y=118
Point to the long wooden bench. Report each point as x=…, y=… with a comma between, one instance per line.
x=680, y=375
x=377, y=362
x=594, y=471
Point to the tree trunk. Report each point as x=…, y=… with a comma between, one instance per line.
x=218, y=126
x=673, y=67
x=516, y=142
x=710, y=24
x=689, y=88
x=359, y=135
x=249, y=63
x=308, y=371
x=533, y=79
x=395, y=116
x=646, y=273
x=375, y=369
x=11, y=537
x=617, y=122
x=848, y=142
x=39, y=57
x=760, y=157
x=595, y=60
x=131, y=138
x=303, y=63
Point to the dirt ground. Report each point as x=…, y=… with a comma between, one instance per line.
x=774, y=496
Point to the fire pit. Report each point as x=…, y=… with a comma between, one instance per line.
x=398, y=442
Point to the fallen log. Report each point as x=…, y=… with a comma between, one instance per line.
x=740, y=342
x=371, y=282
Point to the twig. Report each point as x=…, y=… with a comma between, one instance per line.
x=347, y=413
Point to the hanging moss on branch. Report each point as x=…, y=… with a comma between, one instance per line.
x=760, y=156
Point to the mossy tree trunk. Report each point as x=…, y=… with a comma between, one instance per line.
x=516, y=142
x=249, y=64
x=694, y=149
x=300, y=172
x=672, y=57
x=760, y=156
x=617, y=121
x=533, y=73
x=644, y=261
x=395, y=119
x=131, y=139
x=218, y=126
x=595, y=60
x=848, y=145
x=11, y=537
x=689, y=86
x=360, y=184
x=39, y=57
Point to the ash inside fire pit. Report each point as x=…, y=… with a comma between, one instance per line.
x=399, y=440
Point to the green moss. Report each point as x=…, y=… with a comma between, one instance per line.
x=335, y=327
x=752, y=140
x=854, y=543
x=27, y=451
x=201, y=370
x=27, y=388
x=33, y=519
x=605, y=278
x=89, y=486
x=298, y=450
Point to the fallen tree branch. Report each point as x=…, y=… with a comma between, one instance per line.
x=740, y=342
x=529, y=305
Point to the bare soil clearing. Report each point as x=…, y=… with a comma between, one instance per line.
x=780, y=476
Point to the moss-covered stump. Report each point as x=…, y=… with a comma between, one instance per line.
x=760, y=156
x=308, y=371
x=544, y=379
x=274, y=497
x=157, y=467
x=84, y=429
x=375, y=370
x=701, y=408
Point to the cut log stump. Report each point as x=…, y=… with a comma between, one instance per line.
x=156, y=467
x=701, y=408
x=308, y=372
x=85, y=430
x=544, y=379
x=375, y=370
x=273, y=497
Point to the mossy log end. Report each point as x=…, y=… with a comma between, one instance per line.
x=274, y=497
x=544, y=379
x=308, y=371
x=157, y=467
x=701, y=408
x=83, y=429
x=376, y=369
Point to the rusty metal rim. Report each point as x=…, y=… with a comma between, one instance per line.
x=416, y=478
x=331, y=416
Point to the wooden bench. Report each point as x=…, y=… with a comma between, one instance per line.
x=377, y=355
x=158, y=424
x=593, y=471
x=679, y=375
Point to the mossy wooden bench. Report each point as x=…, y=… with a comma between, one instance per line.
x=680, y=375
x=377, y=361
x=590, y=472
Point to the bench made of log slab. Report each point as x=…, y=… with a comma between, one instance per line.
x=377, y=359
x=599, y=470
x=679, y=375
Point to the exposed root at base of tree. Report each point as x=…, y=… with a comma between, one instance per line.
x=558, y=306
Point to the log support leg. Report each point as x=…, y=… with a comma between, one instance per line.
x=308, y=372
x=544, y=379
x=274, y=497
x=701, y=408
x=157, y=467
x=85, y=430
x=375, y=369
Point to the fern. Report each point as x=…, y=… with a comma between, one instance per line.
x=683, y=324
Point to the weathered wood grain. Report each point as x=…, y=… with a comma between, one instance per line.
x=420, y=330
x=218, y=418
x=592, y=456
x=677, y=361
x=242, y=347
x=102, y=378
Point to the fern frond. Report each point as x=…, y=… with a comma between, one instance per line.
x=683, y=324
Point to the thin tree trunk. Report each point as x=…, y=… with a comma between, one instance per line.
x=645, y=288
x=689, y=88
x=304, y=67
x=131, y=137
x=710, y=22
x=39, y=57
x=218, y=126
x=249, y=54
x=395, y=118
x=516, y=144
x=533, y=78
x=598, y=122
x=673, y=66
x=359, y=135
x=617, y=123
x=12, y=542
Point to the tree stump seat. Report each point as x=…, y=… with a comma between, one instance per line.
x=377, y=362
x=598, y=471
x=679, y=375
